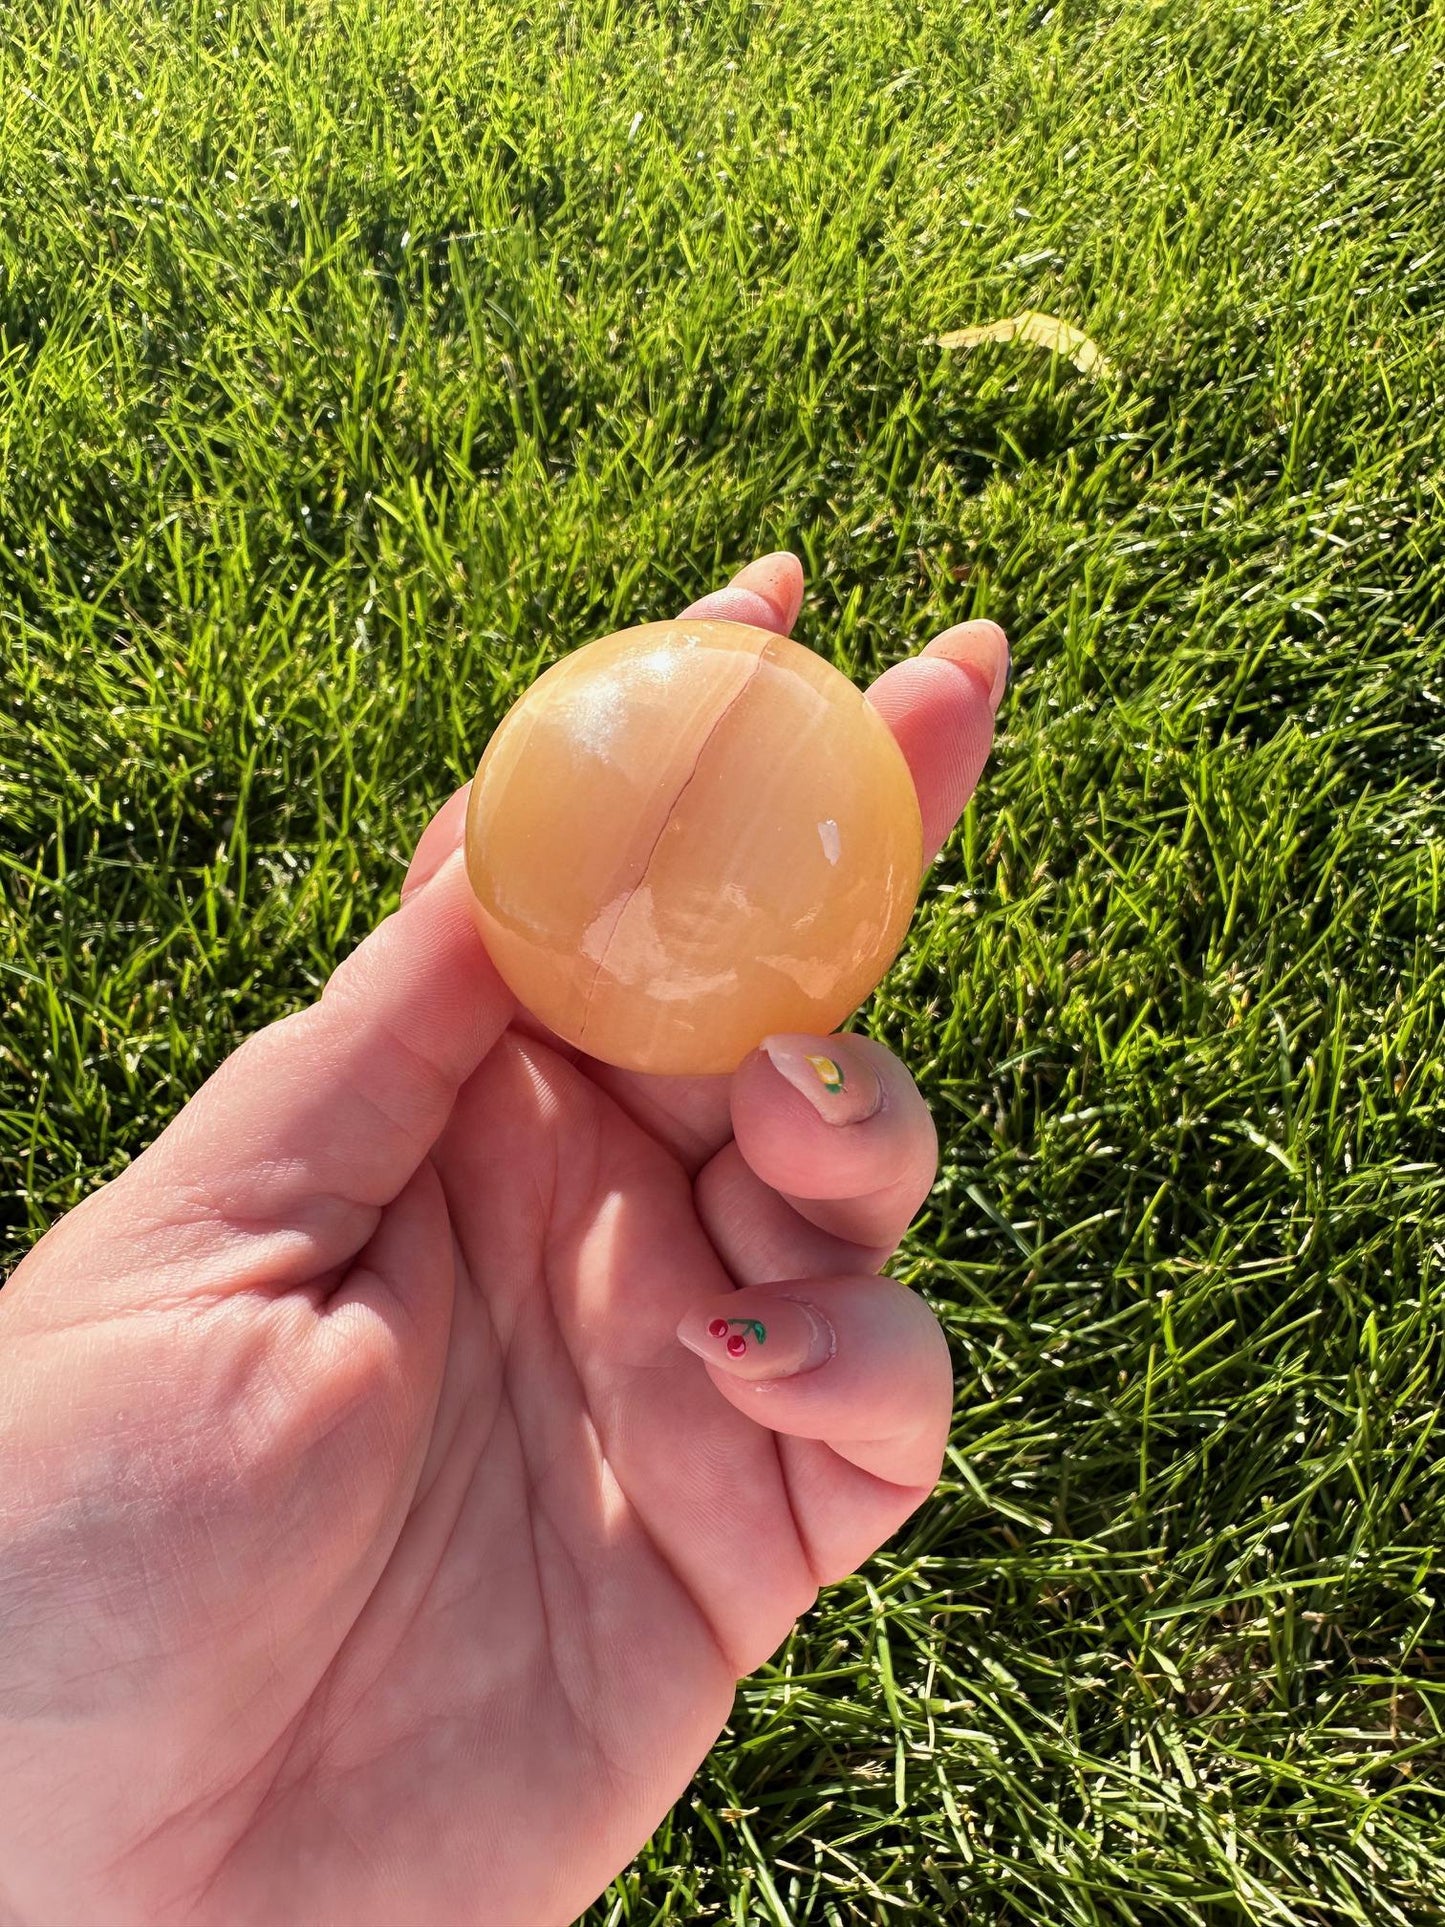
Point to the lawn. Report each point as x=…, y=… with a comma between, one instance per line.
x=357, y=358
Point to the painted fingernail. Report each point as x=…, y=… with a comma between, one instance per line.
x=760, y=1339
x=837, y=1080
x=981, y=650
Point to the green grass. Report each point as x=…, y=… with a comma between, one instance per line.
x=355, y=358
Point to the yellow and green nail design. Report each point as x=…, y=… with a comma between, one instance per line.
x=830, y=1075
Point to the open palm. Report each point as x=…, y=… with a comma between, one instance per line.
x=370, y=1548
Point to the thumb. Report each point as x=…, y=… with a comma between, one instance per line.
x=319, y=1120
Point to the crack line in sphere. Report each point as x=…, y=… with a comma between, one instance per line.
x=727, y=709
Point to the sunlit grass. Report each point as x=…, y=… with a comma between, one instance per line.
x=354, y=359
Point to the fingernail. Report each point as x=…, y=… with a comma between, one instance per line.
x=837, y=1080
x=981, y=650
x=778, y=576
x=768, y=593
x=414, y=886
x=757, y=1338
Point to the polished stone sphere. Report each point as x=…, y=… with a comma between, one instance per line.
x=688, y=836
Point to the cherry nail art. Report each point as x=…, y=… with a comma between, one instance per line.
x=736, y=1343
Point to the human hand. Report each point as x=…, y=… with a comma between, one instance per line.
x=370, y=1547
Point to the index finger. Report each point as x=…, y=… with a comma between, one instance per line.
x=437, y=841
x=940, y=706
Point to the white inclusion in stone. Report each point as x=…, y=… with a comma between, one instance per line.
x=599, y=933
x=832, y=843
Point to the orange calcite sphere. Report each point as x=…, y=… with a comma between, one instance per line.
x=688, y=836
